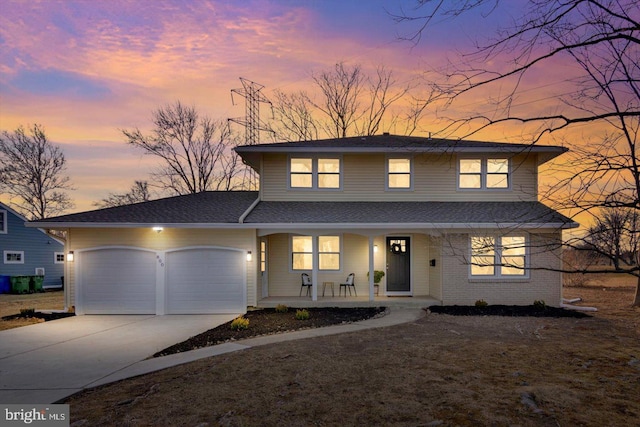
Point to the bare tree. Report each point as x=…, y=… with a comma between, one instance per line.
x=293, y=117
x=195, y=151
x=600, y=41
x=341, y=89
x=349, y=102
x=615, y=237
x=139, y=192
x=32, y=170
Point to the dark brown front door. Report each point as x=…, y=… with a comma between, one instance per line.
x=398, y=265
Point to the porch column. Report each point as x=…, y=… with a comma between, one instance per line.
x=371, y=270
x=314, y=271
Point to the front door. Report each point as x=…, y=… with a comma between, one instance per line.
x=398, y=266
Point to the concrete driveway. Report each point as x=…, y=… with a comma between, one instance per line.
x=46, y=362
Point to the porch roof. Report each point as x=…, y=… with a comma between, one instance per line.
x=427, y=214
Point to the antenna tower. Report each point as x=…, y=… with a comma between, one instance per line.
x=250, y=91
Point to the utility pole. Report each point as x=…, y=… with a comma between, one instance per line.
x=250, y=91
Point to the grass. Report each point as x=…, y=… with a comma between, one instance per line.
x=445, y=370
x=12, y=304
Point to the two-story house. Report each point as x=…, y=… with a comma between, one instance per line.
x=28, y=251
x=448, y=221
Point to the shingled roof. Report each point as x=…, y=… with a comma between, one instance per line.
x=396, y=144
x=219, y=209
x=398, y=213
x=209, y=207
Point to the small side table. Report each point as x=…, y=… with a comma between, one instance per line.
x=324, y=286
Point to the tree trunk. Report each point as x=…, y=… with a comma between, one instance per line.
x=636, y=299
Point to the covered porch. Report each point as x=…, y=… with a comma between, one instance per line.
x=410, y=261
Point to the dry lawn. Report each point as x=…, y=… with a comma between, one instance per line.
x=439, y=370
x=11, y=304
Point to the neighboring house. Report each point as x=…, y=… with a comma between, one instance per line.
x=29, y=251
x=449, y=221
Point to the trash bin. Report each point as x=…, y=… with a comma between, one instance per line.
x=20, y=284
x=5, y=284
x=35, y=284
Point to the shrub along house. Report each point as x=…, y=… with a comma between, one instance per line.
x=448, y=221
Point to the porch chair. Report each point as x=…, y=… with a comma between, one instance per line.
x=306, y=281
x=350, y=283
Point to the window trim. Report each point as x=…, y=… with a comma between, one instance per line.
x=4, y=222
x=497, y=258
x=315, y=173
x=10, y=252
x=292, y=253
x=484, y=160
x=55, y=257
x=316, y=255
x=388, y=173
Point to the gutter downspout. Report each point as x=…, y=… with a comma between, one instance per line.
x=248, y=211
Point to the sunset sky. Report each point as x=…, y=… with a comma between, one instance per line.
x=87, y=69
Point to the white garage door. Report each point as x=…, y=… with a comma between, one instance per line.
x=205, y=280
x=117, y=281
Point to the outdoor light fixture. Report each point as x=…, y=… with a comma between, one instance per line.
x=375, y=248
x=70, y=256
x=158, y=229
x=249, y=256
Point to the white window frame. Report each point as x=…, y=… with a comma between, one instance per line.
x=6, y=253
x=497, y=258
x=388, y=173
x=316, y=255
x=484, y=160
x=315, y=173
x=3, y=222
x=55, y=257
x=263, y=256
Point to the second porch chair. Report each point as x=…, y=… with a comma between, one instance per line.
x=306, y=281
x=350, y=283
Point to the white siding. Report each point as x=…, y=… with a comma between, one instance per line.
x=364, y=179
x=458, y=288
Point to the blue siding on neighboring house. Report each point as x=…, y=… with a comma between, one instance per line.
x=37, y=247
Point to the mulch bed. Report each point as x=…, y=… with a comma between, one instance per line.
x=268, y=321
x=39, y=315
x=506, y=310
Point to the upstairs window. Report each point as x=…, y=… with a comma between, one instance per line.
x=328, y=173
x=487, y=173
x=398, y=173
x=498, y=256
x=3, y=222
x=309, y=172
x=301, y=173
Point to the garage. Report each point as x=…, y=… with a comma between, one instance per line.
x=116, y=281
x=205, y=280
x=192, y=280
